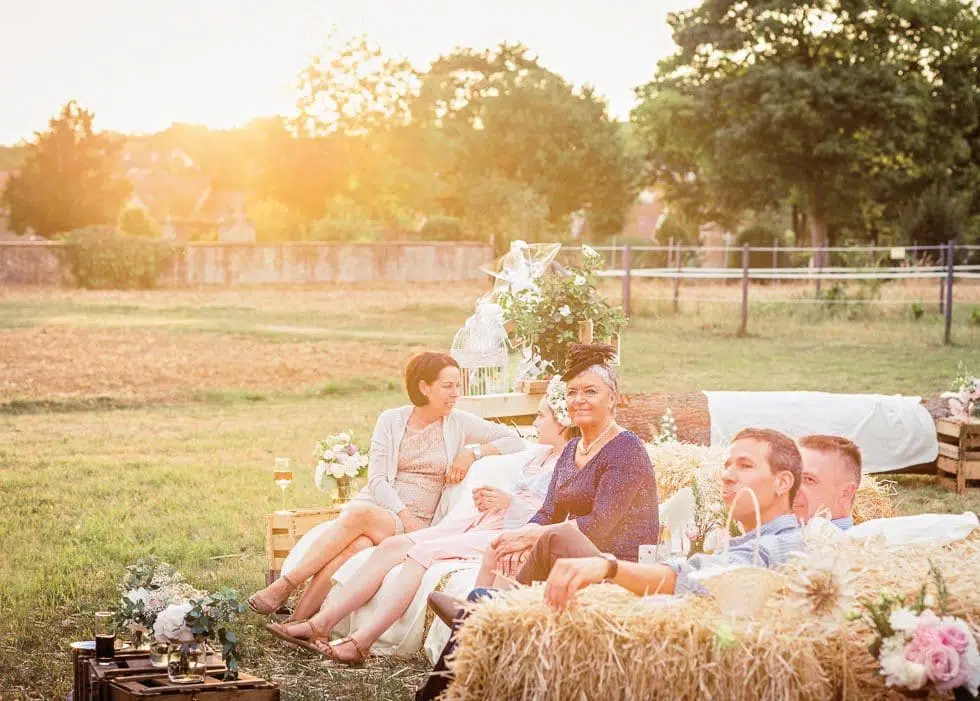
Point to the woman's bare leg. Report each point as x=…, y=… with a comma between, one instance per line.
x=368, y=520
x=318, y=587
x=363, y=585
x=403, y=592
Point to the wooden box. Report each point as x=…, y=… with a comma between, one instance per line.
x=959, y=453
x=93, y=681
x=533, y=386
x=284, y=528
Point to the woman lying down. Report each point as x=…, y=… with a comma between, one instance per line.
x=457, y=539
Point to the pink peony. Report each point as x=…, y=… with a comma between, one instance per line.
x=927, y=637
x=956, y=637
x=944, y=668
x=352, y=449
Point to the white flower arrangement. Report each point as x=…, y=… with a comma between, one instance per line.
x=964, y=400
x=171, y=625
x=917, y=648
x=557, y=398
x=338, y=461
x=668, y=429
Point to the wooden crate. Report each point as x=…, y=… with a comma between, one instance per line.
x=283, y=529
x=157, y=686
x=93, y=681
x=959, y=453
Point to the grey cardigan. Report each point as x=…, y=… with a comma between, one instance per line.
x=459, y=429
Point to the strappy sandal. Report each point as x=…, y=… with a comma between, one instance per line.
x=330, y=651
x=280, y=631
x=258, y=605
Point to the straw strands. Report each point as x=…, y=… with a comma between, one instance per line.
x=614, y=645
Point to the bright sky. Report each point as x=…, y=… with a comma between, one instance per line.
x=142, y=64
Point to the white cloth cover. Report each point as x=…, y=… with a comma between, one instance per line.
x=936, y=529
x=893, y=432
x=405, y=636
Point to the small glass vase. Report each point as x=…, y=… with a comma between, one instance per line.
x=140, y=641
x=158, y=653
x=346, y=489
x=187, y=662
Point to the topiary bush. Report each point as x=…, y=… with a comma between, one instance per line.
x=102, y=258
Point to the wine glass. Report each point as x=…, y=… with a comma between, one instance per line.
x=282, y=473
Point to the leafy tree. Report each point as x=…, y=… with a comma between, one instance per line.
x=502, y=116
x=136, y=221
x=821, y=103
x=273, y=221
x=68, y=178
x=353, y=88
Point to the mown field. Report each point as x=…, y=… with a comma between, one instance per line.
x=146, y=422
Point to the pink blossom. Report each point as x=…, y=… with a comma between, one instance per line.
x=956, y=637
x=926, y=637
x=352, y=449
x=944, y=667
x=915, y=652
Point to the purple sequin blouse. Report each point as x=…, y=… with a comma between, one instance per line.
x=613, y=497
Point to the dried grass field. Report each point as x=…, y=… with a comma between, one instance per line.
x=146, y=422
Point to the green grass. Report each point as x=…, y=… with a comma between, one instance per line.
x=90, y=484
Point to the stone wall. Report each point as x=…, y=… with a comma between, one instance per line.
x=289, y=263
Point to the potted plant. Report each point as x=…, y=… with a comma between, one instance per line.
x=547, y=317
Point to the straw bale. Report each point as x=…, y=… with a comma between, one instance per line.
x=676, y=463
x=613, y=645
x=641, y=412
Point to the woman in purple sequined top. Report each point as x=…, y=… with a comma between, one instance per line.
x=603, y=483
x=612, y=498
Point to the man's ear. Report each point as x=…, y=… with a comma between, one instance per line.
x=784, y=482
x=848, y=493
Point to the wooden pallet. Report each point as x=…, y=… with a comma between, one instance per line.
x=93, y=681
x=213, y=688
x=959, y=454
x=283, y=529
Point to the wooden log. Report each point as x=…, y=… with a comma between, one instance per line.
x=641, y=414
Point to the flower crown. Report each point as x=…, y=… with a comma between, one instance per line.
x=558, y=401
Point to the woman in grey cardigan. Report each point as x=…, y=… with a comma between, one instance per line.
x=415, y=451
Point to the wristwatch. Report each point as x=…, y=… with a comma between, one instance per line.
x=477, y=453
x=613, y=566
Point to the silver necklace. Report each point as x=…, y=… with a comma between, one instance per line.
x=586, y=449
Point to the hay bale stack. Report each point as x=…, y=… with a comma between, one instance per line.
x=617, y=646
x=641, y=413
x=675, y=464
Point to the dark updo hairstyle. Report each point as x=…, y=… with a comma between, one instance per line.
x=425, y=367
x=583, y=356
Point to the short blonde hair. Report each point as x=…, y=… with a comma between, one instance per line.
x=844, y=448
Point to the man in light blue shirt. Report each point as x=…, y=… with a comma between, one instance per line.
x=831, y=476
x=764, y=461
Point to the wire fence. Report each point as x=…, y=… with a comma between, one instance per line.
x=918, y=277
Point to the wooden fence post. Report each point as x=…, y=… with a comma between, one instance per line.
x=677, y=280
x=950, y=262
x=942, y=280
x=745, y=290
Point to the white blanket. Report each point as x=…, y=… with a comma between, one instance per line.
x=893, y=432
x=405, y=637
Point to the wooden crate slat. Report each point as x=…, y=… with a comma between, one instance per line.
x=284, y=528
x=952, y=451
x=970, y=468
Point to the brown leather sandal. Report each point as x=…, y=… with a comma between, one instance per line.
x=330, y=651
x=260, y=606
x=280, y=631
